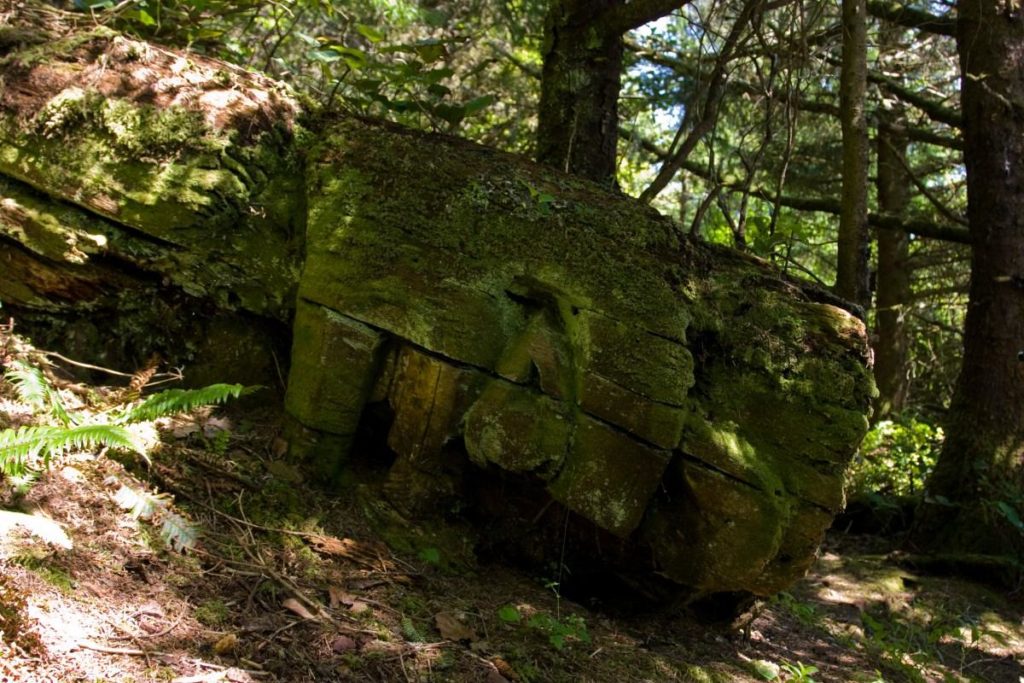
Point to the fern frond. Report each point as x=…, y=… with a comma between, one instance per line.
x=174, y=401
x=19, y=446
x=34, y=389
x=44, y=528
x=24, y=444
x=90, y=436
x=29, y=383
x=178, y=532
x=141, y=504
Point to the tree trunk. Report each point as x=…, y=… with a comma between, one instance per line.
x=854, y=242
x=492, y=330
x=982, y=462
x=578, y=119
x=893, y=281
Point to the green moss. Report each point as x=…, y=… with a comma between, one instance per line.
x=211, y=613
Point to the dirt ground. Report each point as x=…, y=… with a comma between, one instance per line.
x=241, y=571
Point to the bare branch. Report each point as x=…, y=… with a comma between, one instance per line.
x=915, y=226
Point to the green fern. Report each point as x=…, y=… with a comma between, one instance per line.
x=174, y=401
x=19, y=447
x=34, y=389
x=176, y=531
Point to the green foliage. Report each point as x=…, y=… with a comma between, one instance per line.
x=910, y=643
x=20, y=448
x=175, y=401
x=431, y=556
x=559, y=632
x=34, y=389
x=509, y=614
x=212, y=613
x=803, y=612
x=411, y=632
x=895, y=458
x=27, y=448
x=765, y=670
x=176, y=531
x=799, y=672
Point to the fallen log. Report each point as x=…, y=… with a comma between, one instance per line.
x=524, y=342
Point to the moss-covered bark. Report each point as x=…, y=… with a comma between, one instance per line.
x=508, y=322
x=177, y=188
x=682, y=397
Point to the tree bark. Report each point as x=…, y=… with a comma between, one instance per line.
x=578, y=118
x=893, y=290
x=854, y=242
x=983, y=457
x=893, y=294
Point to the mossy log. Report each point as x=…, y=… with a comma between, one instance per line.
x=509, y=327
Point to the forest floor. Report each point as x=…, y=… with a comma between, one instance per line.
x=286, y=583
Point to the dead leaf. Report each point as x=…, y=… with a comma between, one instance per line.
x=226, y=644
x=336, y=597
x=369, y=554
x=358, y=607
x=343, y=644
x=297, y=607
x=184, y=430
x=504, y=668
x=216, y=424
x=452, y=627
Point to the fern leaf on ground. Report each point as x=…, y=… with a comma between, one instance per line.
x=174, y=401
x=34, y=389
x=20, y=446
x=177, y=531
x=29, y=383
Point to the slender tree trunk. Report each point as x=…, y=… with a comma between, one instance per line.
x=577, y=128
x=982, y=457
x=893, y=283
x=854, y=245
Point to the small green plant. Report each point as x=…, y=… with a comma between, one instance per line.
x=175, y=530
x=31, y=446
x=799, y=672
x=559, y=632
x=803, y=612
